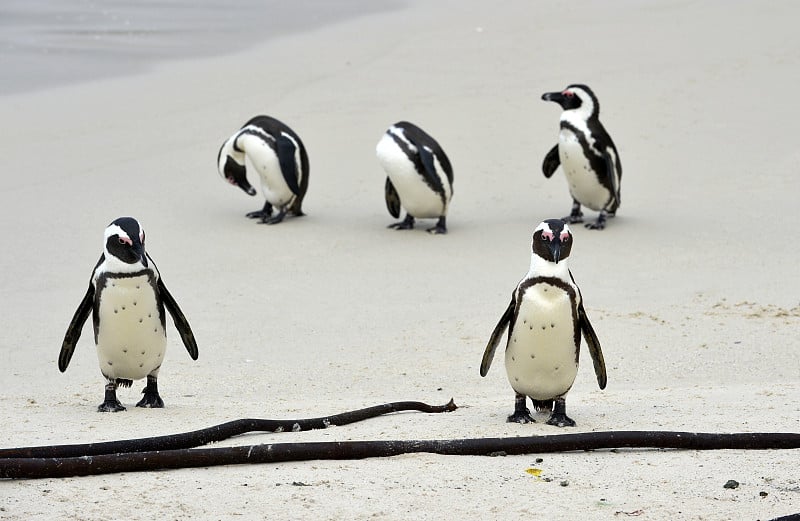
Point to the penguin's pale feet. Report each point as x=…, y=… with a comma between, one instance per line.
x=521, y=417
x=560, y=420
x=151, y=401
x=110, y=406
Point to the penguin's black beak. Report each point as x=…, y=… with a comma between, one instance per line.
x=555, y=250
x=553, y=96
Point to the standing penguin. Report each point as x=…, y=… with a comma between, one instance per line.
x=419, y=176
x=127, y=297
x=545, y=319
x=587, y=155
x=279, y=157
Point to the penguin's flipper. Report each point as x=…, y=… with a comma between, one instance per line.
x=551, y=162
x=429, y=169
x=181, y=324
x=594, y=346
x=494, y=340
x=285, y=150
x=392, y=199
x=74, y=329
x=611, y=171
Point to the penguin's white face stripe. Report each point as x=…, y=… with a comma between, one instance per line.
x=587, y=103
x=400, y=133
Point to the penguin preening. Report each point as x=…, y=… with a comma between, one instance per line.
x=587, y=155
x=127, y=298
x=545, y=319
x=280, y=158
x=419, y=176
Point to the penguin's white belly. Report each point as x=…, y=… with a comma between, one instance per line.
x=540, y=357
x=131, y=340
x=273, y=184
x=416, y=196
x=583, y=183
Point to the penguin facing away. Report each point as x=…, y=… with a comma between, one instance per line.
x=545, y=319
x=127, y=298
x=280, y=158
x=587, y=155
x=419, y=176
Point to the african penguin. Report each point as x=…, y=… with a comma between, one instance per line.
x=279, y=157
x=545, y=318
x=419, y=176
x=587, y=155
x=127, y=297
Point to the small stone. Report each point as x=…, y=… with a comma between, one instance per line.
x=763, y=493
x=731, y=483
x=564, y=483
x=539, y=460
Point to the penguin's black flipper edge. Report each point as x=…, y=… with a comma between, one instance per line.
x=611, y=171
x=594, y=347
x=74, y=329
x=392, y=199
x=181, y=324
x=551, y=162
x=429, y=169
x=285, y=150
x=494, y=340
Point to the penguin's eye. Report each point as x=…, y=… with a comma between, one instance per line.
x=121, y=240
x=124, y=240
x=568, y=93
x=547, y=236
x=564, y=237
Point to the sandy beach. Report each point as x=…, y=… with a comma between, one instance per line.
x=693, y=288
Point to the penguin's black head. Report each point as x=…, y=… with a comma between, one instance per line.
x=233, y=172
x=125, y=241
x=575, y=96
x=552, y=240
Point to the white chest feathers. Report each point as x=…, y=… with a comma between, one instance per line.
x=265, y=161
x=131, y=340
x=541, y=356
x=584, y=185
x=416, y=196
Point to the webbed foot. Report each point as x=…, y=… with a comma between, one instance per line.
x=151, y=398
x=599, y=224
x=440, y=228
x=405, y=224
x=521, y=412
x=559, y=417
x=263, y=214
x=110, y=403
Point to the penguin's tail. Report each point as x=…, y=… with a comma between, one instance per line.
x=122, y=382
x=542, y=405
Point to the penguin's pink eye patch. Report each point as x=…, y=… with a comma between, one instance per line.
x=547, y=235
x=564, y=236
x=125, y=240
x=568, y=93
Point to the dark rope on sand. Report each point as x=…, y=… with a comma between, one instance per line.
x=14, y=465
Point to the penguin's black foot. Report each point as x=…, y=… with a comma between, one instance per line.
x=151, y=401
x=573, y=218
x=440, y=228
x=259, y=214
x=599, y=224
x=560, y=420
x=110, y=406
x=151, y=398
x=274, y=220
x=405, y=224
x=522, y=417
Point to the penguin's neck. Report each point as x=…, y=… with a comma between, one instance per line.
x=544, y=268
x=234, y=149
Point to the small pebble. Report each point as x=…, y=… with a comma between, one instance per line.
x=564, y=483
x=731, y=483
